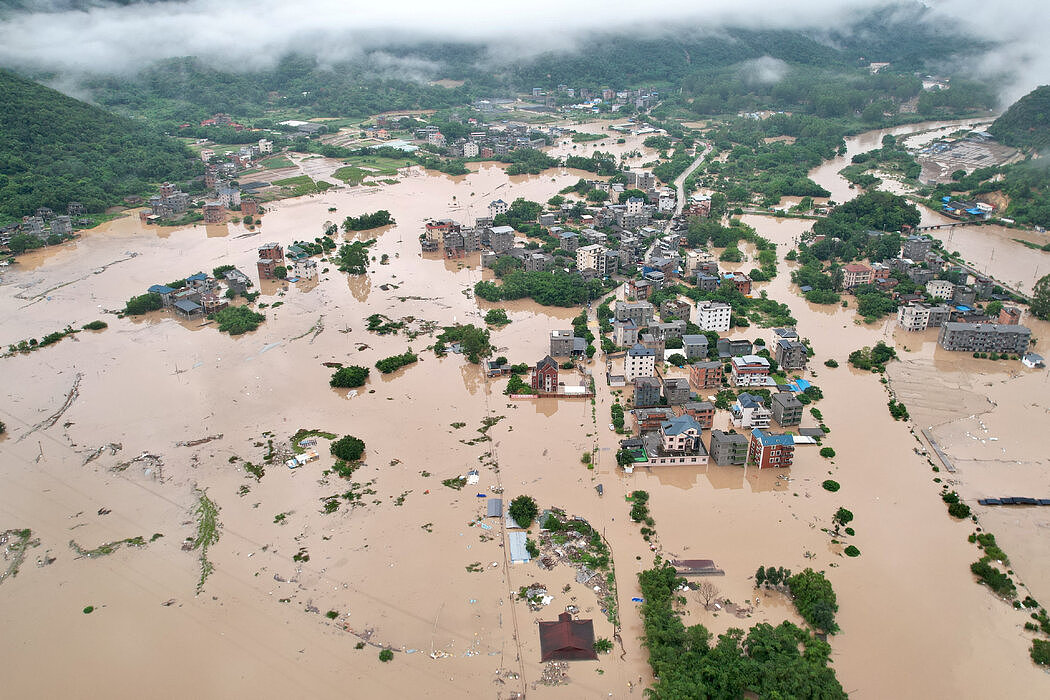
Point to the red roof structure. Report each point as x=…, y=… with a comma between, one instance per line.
x=567, y=639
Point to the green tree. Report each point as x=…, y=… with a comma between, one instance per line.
x=136, y=306
x=814, y=599
x=524, y=510
x=349, y=377
x=1040, y=305
x=348, y=448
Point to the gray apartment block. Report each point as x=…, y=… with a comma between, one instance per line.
x=647, y=392
x=734, y=348
x=728, y=448
x=791, y=354
x=984, y=337
x=641, y=312
x=916, y=247
x=676, y=391
x=787, y=410
x=562, y=343
x=695, y=347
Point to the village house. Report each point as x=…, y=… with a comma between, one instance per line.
x=779, y=334
x=713, y=316
x=667, y=331
x=1009, y=316
x=748, y=411
x=735, y=347
x=728, y=448
x=562, y=343
x=249, y=207
x=653, y=342
x=706, y=282
x=918, y=316
x=639, y=289
x=237, y=281
x=646, y=392
x=769, y=451
x=211, y=303
x=649, y=419
x=741, y=281
x=640, y=361
x=964, y=295
x=267, y=268
x=545, y=376
x=676, y=391
x=695, y=347
x=856, y=274
x=791, y=354
x=625, y=333
x=187, y=308
x=592, y=257
x=674, y=309
x=498, y=207
x=641, y=312
x=566, y=639
x=705, y=375
x=984, y=337
x=940, y=289
x=501, y=238
x=213, y=212
x=703, y=412
x=751, y=370
x=916, y=247
x=164, y=291
x=787, y=410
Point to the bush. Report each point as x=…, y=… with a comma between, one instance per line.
x=236, y=320
x=136, y=306
x=602, y=645
x=524, y=510
x=331, y=614
x=348, y=448
x=993, y=578
x=814, y=599
x=349, y=377
x=827, y=452
x=830, y=485
x=831, y=363
x=396, y=362
x=959, y=510
x=1041, y=652
x=852, y=551
x=496, y=317
x=386, y=655
x=95, y=326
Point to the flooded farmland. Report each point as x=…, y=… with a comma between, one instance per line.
x=403, y=563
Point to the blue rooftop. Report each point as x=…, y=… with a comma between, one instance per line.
x=199, y=277
x=160, y=289
x=768, y=439
x=681, y=424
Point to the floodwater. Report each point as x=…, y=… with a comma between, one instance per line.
x=402, y=567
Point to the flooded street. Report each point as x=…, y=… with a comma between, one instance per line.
x=404, y=565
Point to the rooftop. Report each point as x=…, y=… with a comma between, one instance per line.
x=768, y=439
x=679, y=425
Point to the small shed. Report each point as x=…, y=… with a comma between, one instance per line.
x=495, y=508
x=187, y=307
x=567, y=640
x=519, y=554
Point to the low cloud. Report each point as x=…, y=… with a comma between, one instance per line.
x=764, y=70
x=100, y=36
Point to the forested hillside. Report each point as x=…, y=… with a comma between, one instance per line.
x=55, y=149
x=1027, y=123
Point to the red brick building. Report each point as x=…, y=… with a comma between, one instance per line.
x=1010, y=316
x=213, y=213
x=272, y=251
x=705, y=375
x=768, y=451
x=545, y=376
x=267, y=269
x=249, y=207
x=703, y=412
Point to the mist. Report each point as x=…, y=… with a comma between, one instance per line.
x=76, y=37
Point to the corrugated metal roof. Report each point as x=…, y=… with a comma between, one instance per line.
x=495, y=507
x=518, y=553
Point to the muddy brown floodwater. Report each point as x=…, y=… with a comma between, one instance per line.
x=406, y=568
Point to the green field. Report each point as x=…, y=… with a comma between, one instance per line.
x=297, y=181
x=278, y=161
x=351, y=175
x=381, y=165
x=583, y=137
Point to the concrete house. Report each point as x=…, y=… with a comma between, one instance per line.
x=736, y=347
x=705, y=375
x=641, y=312
x=640, y=361
x=562, y=343
x=625, y=333
x=695, y=347
x=164, y=291
x=676, y=391
x=646, y=392
x=703, y=412
x=713, y=316
x=769, y=451
x=791, y=354
x=984, y=337
x=787, y=410
x=751, y=370
x=918, y=316
x=748, y=411
x=728, y=448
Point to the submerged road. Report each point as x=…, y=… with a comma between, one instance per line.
x=679, y=182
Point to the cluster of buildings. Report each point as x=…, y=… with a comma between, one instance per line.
x=45, y=223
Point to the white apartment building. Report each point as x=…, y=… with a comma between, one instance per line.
x=713, y=316
x=591, y=257
x=640, y=361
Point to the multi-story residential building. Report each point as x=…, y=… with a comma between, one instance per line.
x=713, y=316
x=545, y=376
x=787, y=410
x=769, y=451
x=649, y=419
x=705, y=375
x=562, y=343
x=706, y=282
x=673, y=309
x=964, y=295
x=985, y=337
x=681, y=436
x=984, y=287
x=703, y=412
x=940, y=289
x=625, y=333
x=676, y=391
x=498, y=207
x=501, y=238
x=918, y=316
x=641, y=312
x=748, y=411
x=739, y=280
x=695, y=347
x=751, y=370
x=856, y=274
x=592, y=257
x=213, y=212
x=791, y=354
x=646, y=392
x=735, y=347
x=61, y=226
x=728, y=448
x=271, y=251
x=568, y=241
x=779, y=334
x=470, y=150
x=640, y=361
x=916, y=247
x=666, y=331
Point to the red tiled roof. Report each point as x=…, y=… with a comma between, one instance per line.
x=567, y=639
